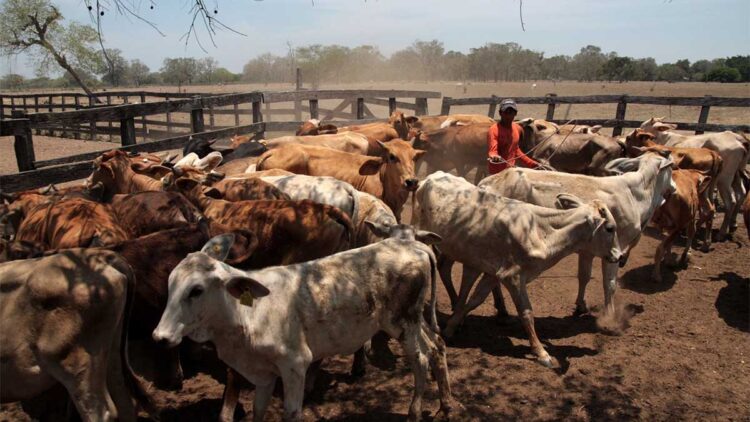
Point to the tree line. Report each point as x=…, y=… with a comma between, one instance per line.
x=37, y=28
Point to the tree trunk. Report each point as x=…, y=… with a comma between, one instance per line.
x=64, y=64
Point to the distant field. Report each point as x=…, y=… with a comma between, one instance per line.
x=47, y=147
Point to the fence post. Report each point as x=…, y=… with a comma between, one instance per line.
x=92, y=122
x=620, y=115
x=127, y=131
x=551, y=107
x=23, y=143
x=196, y=115
x=62, y=108
x=445, y=108
x=236, y=113
x=143, y=119
x=391, y=105
x=77, y=105
x=109, y=103
x=2, y=107
x=169, y=116
x=314, y=109
x=258, y=118
x=493, y=107
x=703, y=118
x=297, y=103
x=360, y=108
x=421, y=106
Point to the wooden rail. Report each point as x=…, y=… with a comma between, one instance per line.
x=622, y=101
x=131, y=121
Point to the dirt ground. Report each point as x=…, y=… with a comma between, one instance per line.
x=683, y=354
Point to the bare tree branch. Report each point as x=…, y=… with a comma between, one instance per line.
x=520, y=13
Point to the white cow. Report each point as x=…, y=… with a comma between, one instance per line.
x=631, y=197
x=509, y=240
x=375, y=211
x=290, y=316
x=734, y=149
x=321, y=189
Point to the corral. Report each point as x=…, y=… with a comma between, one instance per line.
x=680, y=350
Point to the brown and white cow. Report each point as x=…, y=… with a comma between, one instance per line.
x=291, y=316
x=734, y=149
x=63, y=319
x=707, y=161
x=389, y=177
x=679, y=213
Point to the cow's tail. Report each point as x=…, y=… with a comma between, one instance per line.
x=134, y=386
x=343, y=219
x=433, y=288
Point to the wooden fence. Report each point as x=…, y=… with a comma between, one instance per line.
x=622, y=101
x=39, y=173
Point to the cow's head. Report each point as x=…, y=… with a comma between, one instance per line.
x=537, y=130
x=656, y=125
x=396, y=165
x=198, y=298
x=201, y=147
x=402, y=232
x=402, y=123
x=602, y=224
x=639, y=138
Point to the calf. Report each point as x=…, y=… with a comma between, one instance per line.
x=290, y=316
x=63, y=319
x=510, y=241
x=679, y=213
x=389, y=177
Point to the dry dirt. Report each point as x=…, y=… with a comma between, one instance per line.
x=684, y=353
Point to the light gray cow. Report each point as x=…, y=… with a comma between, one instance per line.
x=510, y=240
x=321, y=189
x=632, y=198
x=290, y=316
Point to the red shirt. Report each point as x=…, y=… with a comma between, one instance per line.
x=503, y=141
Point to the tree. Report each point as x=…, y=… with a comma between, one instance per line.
x=742, y=64
x=138, y=73
x=430, y=54
x=179, y=71
x=724, y=74
x=37, y=26
x=671, y=72
x=114, y=71
x=586, y=64
x=12, y=81
x=618, y=68
x=206, y=69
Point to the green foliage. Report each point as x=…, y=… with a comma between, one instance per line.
x=12, y=81
x=671, y=73
x=742, y=64
x=724, y=74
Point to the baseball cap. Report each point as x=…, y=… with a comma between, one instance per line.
x=508, y=103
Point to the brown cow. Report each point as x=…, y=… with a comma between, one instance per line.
x=148, y=212
x=678, y=213
x=702, y=159
x=71, y=223
x=456, y=147
x=353, y=142
x=288, y=231
x=64, y=319
x=397, y=127
x=433, y=123
x=389, y=177
x=119, y=174
x=313, y=127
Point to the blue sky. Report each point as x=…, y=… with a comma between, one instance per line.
x=663, y=29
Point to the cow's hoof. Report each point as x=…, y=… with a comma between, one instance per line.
x=547, y=362
x=580, y=310
x=705, y=248
x=453, y=412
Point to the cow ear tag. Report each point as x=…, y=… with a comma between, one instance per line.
x=247, y=298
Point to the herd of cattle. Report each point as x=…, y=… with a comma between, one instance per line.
x=285, y=251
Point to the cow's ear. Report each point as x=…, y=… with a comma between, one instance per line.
x=245, y=243
x=566, y=201
x=378, y=229
x=241, y=287
x=371, y=166
x=411, y=119
x=96, y=191
x=209, y=162
x=526, y=122
x=595, y=129
x=218, y=247
x=428, y=238
x=418, y=154
x=213, y=193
